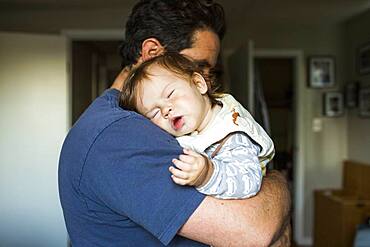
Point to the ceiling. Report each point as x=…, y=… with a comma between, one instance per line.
x=251, y=11
x=292, y=11
x=306, y=12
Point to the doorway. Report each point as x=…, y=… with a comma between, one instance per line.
x=95, y=64
x=289, y=100
x=276, y=76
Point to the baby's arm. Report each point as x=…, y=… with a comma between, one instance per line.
x=236, y=169
x=233, y=173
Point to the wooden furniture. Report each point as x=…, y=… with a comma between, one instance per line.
x=338, y=212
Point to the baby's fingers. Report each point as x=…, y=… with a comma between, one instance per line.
x=183, y=166
x=178, y=173
x=186, y=159
x=191, y=152
x=179, y=180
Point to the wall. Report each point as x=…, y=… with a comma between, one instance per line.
x=34, y=121
x=358, y=33
x=53, y=20
x=325, y=150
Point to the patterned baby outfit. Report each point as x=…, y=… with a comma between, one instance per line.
x=240, y=163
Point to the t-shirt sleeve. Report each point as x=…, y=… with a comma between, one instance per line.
x=127, y=168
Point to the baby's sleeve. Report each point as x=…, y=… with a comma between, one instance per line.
x=237, y=171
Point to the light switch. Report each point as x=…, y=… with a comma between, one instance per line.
x=316, y=125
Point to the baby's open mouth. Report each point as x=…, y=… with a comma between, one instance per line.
x=177, y=123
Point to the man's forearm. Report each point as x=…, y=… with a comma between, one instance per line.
x=271, y=214
x=275, y=198
x=256, y=221
x=285, y=239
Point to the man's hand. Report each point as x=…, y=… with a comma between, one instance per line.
x=191, y=168
x=120, y=79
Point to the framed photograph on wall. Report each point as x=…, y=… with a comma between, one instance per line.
x=333, y=104
x=363, y=60
x=351, y=94
x=364, y=102
x=321, y=71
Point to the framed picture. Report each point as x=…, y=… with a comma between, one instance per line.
x=321, y=71
x=363, y=61
x=364, y=102
x=351, y=94
x=333, y=104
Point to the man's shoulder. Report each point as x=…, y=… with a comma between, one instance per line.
x=103, y=124
x=106, y=124
x=103, y=112
x=105, y=117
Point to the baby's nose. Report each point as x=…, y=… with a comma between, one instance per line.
x=166, y=111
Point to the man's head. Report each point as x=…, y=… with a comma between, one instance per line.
x=191, y=27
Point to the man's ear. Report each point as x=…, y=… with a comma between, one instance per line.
x=199, y=82
x=151, y=48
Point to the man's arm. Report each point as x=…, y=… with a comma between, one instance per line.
x=285, y=238
x=255, y=221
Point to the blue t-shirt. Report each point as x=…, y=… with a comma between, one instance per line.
x=114, y=184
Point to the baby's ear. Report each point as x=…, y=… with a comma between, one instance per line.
x=199, y=82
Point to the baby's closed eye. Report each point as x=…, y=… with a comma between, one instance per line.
x=170, y=94
x=152, y=114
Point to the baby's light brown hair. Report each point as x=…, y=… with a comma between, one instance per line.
x=176, y=63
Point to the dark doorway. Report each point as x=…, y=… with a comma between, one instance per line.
x=277, y=79
x=95, y=64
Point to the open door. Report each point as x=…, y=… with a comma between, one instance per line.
x=34, y=121
x=241, y=73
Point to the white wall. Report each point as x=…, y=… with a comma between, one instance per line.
x=325, y=150
x=358, y=33
x=34, y=121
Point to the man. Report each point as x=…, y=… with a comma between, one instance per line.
x=115, y=187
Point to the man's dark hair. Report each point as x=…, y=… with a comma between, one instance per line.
x=172, y=22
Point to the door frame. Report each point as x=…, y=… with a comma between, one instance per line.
x=299, y=152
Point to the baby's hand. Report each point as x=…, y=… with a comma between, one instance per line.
x=191, y=168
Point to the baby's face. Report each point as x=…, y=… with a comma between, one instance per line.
x=177, y=105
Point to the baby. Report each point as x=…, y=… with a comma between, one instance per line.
x=225, y=150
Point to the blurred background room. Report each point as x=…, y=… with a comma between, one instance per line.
x=302, y=68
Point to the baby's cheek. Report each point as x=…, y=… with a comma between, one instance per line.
x=156, y=122
x=161, y=124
